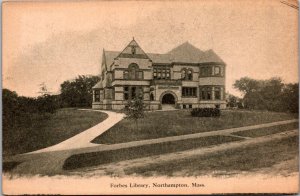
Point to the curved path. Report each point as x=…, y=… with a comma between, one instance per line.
x=84, y=138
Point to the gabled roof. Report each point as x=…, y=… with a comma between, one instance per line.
x=133, y=50
x=109, y=56
x=184, y=53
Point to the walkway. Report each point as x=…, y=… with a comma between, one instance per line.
x=49, y=161
x=118, y=168
x=83, y=139
x=188, y=136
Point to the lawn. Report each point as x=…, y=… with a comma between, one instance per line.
x=247, y=159
x=45, y=130
x=172, y=123
x=268, y=130
x=104, y=157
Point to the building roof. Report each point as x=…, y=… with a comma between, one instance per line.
x=184, y=53
x=98, y=85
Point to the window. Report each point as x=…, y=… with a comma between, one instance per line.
x=158, y=73
x=190, y=106
x=189, y=91
x=168, y=74
x=183, y=74
x=187, y=74
x=126, y=93
x=125, y=75
x=206, y=71
x=140, y=75
x=183, y=106
x=97, y=95
x=161, y=73
x=130, y=92
x=206, y=93
x=190, y=74
x=154, y=73
x=217, y=93
x=133, y=72
x=217, y=70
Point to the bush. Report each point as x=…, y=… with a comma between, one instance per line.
x=206, y=112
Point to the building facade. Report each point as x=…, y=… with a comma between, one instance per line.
x=185, y=77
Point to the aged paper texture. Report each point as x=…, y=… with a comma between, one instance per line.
x=150, y=97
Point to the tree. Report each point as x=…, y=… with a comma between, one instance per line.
x=44, y=89
x=247, y=85
x=78, y=92
x=271, y=94
x=290, y=97
x=135, y=110
x=232, y=100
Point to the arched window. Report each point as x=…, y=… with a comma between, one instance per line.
x=183, y=74
x=190, y=74
x=133, y=72
x=133, y=69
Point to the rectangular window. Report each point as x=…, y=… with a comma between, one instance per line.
x=158, y=73
x=130, y=92
x=189, y=91
x=217, y=93
x=126, y=93
x=162, y=73
x=125, y=75
x=140, y=76
x=133, y=92
x=154, y=73
x=206, y=71
x=97, y=95
x=205, y=93
x=190, y=106
x=183, y=106
x=168, y=74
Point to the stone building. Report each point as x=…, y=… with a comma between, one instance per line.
x=185, y=77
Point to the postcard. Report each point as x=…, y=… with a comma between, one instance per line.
x=150, y=97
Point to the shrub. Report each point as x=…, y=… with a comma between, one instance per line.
x=206, y=112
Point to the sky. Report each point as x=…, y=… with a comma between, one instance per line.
x=50, y=42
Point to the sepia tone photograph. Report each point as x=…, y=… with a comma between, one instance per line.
x=150, y=97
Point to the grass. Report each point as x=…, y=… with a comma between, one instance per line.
x=46, y=130
x=104, y=157
x=248, y=158
x=268, y=130
x=172, y=123
x=8, y=166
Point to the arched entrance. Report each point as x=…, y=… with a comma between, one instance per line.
x=168, y=99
